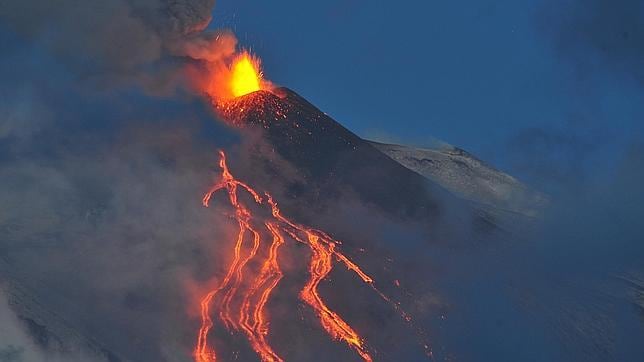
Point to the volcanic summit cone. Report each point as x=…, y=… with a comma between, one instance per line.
x=332, y=158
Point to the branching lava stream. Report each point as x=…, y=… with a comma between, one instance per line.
x=250, y=317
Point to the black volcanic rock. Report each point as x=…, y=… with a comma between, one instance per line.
x=330, y=156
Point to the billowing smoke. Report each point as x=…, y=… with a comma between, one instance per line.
x=141, y=43
x=115, y=35
x=102, y=175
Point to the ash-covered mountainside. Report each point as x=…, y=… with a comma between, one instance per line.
x=468, y=177
x=332, y=158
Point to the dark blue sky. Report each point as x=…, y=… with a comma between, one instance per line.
x=480, y=75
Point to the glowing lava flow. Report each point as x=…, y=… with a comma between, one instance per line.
x=242, y=214
x=250, y=316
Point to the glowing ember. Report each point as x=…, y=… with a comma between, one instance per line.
x=246, y=75
x=250, y=316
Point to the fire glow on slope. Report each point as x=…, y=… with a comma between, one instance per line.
x=250, y=316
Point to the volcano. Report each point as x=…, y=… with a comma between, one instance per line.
x=332, y=165
x=164, y=201
x=332, y=159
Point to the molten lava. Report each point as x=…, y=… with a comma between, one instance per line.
x=250, y=316
x=246, y=75
x=227, y=80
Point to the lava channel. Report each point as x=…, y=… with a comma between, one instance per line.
x=250, y=317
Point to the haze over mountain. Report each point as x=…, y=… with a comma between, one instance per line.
x=110, y=127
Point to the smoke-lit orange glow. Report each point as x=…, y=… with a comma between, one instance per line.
x=246, y=76
x=254, y=289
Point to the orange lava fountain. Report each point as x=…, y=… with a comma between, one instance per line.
x=240, y=75
x=246, y=75
x=250, y=317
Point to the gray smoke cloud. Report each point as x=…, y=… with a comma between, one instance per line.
x=117, y=35
x=115, y=231
x=125, y=42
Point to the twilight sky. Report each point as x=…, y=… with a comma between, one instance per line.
x=486, y=76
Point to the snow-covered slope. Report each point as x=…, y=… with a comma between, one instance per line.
x=468, y=177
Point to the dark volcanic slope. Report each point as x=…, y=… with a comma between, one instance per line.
x=329, y=155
